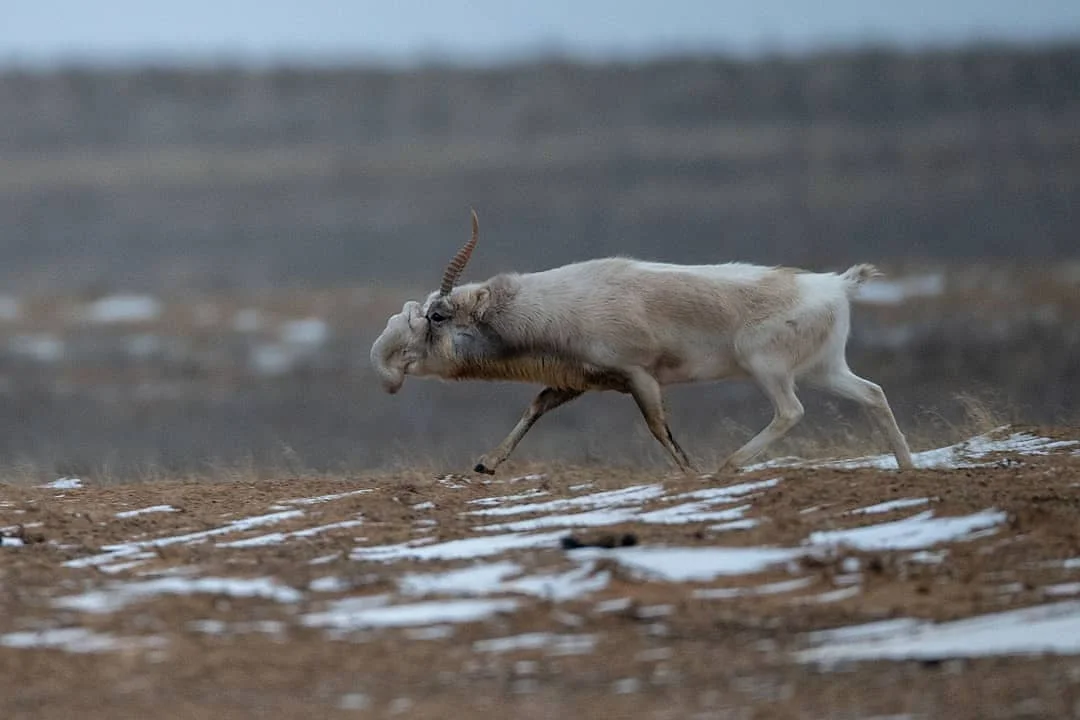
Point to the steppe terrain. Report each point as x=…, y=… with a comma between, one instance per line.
x=795, y=589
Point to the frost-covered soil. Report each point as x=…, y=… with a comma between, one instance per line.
x=797, y=589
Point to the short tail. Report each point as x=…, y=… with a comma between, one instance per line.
x=856, y=275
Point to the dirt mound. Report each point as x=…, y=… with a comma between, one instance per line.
x=792, y=590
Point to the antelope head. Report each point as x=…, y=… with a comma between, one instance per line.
x=439, y=335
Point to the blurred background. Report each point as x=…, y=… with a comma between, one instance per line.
x=208, y=210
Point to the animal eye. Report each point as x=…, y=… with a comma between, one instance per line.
x=437, y=317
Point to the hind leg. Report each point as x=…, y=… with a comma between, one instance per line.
x=841, y=381
x=646, y=393
x=779, y=387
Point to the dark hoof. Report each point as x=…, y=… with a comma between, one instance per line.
x=481, y=468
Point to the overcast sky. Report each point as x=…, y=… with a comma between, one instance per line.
x=48, y=31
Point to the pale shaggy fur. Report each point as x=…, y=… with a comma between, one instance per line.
x=630, y=326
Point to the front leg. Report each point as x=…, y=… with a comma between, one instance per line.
x=548, y=399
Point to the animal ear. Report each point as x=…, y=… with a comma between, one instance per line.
x=481, y=303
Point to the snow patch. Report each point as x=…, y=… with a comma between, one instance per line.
x=692, y=564
x=122, y=309
x=489, y=579
x=555, y=644
x=831, y=596
x=271, y=359
x=77, y=640
x=310, y=332
x=692, y=512
x=146, y=511
x=280, y=537
x=610, y=498
x=913, y=533
x=888, y=506
x=349, y=614
x=318, y=499
x=64, y=483
x=119, y=595
x=970, y=453
x=502, y=499
x=220, y=627
x=775, y=588
x=328, y=583
x=463, y=549
x=744, y=524
x=126, y=550
x=1045, y=629
x=42, y=347
x=619, y=506
x=1062, y=589
x=475, y=580
x=143, y=345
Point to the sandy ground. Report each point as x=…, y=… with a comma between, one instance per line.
x=950, y=591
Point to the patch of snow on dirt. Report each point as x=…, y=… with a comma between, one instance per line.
x=280, y=537
x=135, y=562
x=64, y=483
x=42, y=347
x=527, y=478
x=124, y=550
x=607, y=499
x=744, y=524
x=220, y=627
x=1053, y=628
x=328, y=583
x=559, y=587
x=502, y=499
x=122, y=309
x=554, y=643
x=146, y=510
x=593, y=518
x=119, y=595
x=76, y=640
x=349, y=615
x=309, y=332
x=888, y=506
x=692, y=512
x=6, y=541
x=318, y=499
x=829, y=597
x=463, y=549
x=691, y=564
x=912, y=533
x=774, y=588
x=478, y=579
x=729, y=493
x=1062, y=589
x=970, y=453
x=615, y=507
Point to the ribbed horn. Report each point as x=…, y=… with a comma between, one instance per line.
x=461, y=259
